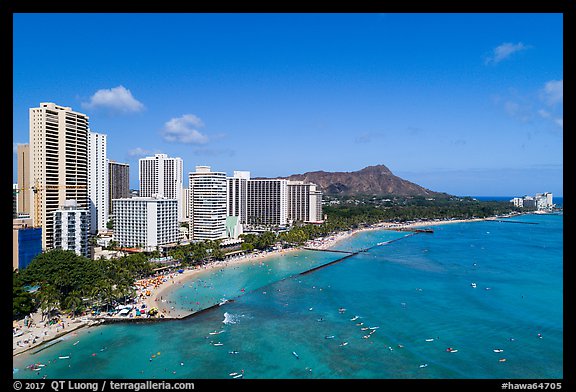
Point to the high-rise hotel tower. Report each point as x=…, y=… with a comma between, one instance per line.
x=161, y=176
x=97, y=182
x=118, y=182
x=207, y=204
x=59, y=163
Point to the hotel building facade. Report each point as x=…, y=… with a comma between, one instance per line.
x=97, y=182
x=267, y=202
x=118, y=182
x=70, y=227
x=161, y=176
x=207, y=204
x=58, y=163
x=237, y=196
x=145, y=222
x=304, y=202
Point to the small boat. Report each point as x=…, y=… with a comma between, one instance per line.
x=218, y=344
x=296, y=355
x=343, y=344
x=364, y=329
x=329, y=337
x=430, y=340
x=502, y=360
x=424, y=365
x=238, y=376
x=216, y=332
x=365, y=336
x=373, y=327
x=76, y=342
x=64, y=357
x=473, y=284
x=233, y=373
x=310, y=308
x=354, y=318
x=451, y=350
x=498, y=350
x=233, y=352
x=359, y=324
x=341, y=310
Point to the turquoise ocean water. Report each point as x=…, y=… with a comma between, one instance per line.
x=414, y=295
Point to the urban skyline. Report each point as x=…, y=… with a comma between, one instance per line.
x=465, y=114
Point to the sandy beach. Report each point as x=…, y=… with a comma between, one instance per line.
x=152, y=292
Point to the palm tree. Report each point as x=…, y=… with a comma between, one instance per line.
x=74, y=302
x=102, y=292
x=48, y=298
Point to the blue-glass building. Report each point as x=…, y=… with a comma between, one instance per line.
x=29, y=245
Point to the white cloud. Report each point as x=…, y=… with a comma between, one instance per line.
x=117, y=99
x=553, y=92
x=139, y=152
x=504, y=51
x=183, y=130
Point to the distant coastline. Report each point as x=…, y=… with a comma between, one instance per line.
x=558, y=200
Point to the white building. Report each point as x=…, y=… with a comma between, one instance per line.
x=70, y=228
x=58, y=163
x=162, y=176
x=207, y=204
x=97, y=182
x=517, y=201
x=145, y=222
x=267, y=202
x=237, y=195
x=304, y=202
x=315, y=205
x=543, y=201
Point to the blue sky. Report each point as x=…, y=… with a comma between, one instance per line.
x=467, y=104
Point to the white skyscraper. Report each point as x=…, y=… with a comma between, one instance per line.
x=207, y=204
x=145, y=222
x=237, y=195
x=97, y=181
x=58, y=163
x=162, y=176
x=71, y=227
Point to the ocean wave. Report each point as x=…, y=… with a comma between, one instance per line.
x=230, y=318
